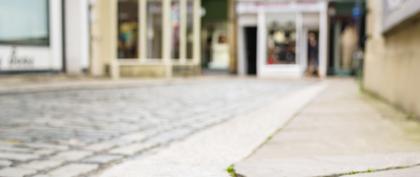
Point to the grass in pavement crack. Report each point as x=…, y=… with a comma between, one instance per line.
x=232, y=172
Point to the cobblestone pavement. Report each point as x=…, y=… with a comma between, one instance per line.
x=78, y=132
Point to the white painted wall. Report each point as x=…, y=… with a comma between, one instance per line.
x=77, y=35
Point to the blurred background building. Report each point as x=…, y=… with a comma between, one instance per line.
x=264, y=38
x=112, y=37
x=158, y=38
x=273, y=38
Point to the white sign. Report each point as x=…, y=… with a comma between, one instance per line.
x=25, y=58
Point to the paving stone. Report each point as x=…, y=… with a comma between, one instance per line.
x=17, y=156
x=44, y=152
x=101, y=146
x=42, y=164
x=73, y=170
x=132, y=148
x=15, y=149
x=102, y=159
x=5, y=163
x=46, y=146
x=42, y=176
x=71, y=155
x=134, y=137
x=15, y=172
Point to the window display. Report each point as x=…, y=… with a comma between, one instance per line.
x=281, y=42
x=190, y=26
x=176, y=20
x=128, y=29
x=141, y=34
x=154, y=29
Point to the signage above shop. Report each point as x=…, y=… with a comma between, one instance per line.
x=275, y=6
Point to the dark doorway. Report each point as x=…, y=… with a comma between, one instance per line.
x=251, y=49
x=313, y=53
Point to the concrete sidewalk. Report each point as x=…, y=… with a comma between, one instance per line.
x=341, y=132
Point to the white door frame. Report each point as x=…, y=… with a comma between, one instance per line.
x=296, y=70
x=249, y=20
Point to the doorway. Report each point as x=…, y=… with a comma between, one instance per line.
x=251, y=50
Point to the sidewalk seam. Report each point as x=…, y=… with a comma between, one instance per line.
x=372, y=170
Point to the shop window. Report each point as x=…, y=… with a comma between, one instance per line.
x=176, y=23
x=154, y=29
x=128, y=27
x=281, y=40
x=190, y=27
x=24, y=22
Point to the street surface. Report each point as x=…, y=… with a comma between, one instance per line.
x=210, y=152
x=80, y=132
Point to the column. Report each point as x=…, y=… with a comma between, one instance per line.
x=323, y=40
x=232, y=27
x=299, y=39
x=261, y=42
x=183, y=32
x=196, y=29
x=115, y=68
x=142, y=31
x=167, y=31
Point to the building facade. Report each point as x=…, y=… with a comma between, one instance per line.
x=152, y=38
x=44, y=35
x=273, y=38
x=392, y=59
x=347, y=35
x=164, y=38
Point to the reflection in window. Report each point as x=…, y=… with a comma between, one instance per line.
x=154, y=29
x=281, y=46
x=128, y=29
x=24, y=22
x=175, y=19
x=190, y=26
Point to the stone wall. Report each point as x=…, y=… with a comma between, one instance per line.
x=392, y=61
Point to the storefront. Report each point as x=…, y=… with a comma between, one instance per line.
x=346, y=37
x=282, y=39
x=215, y=36
x=30, y=35
x=43, y=36
x=146, y=37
